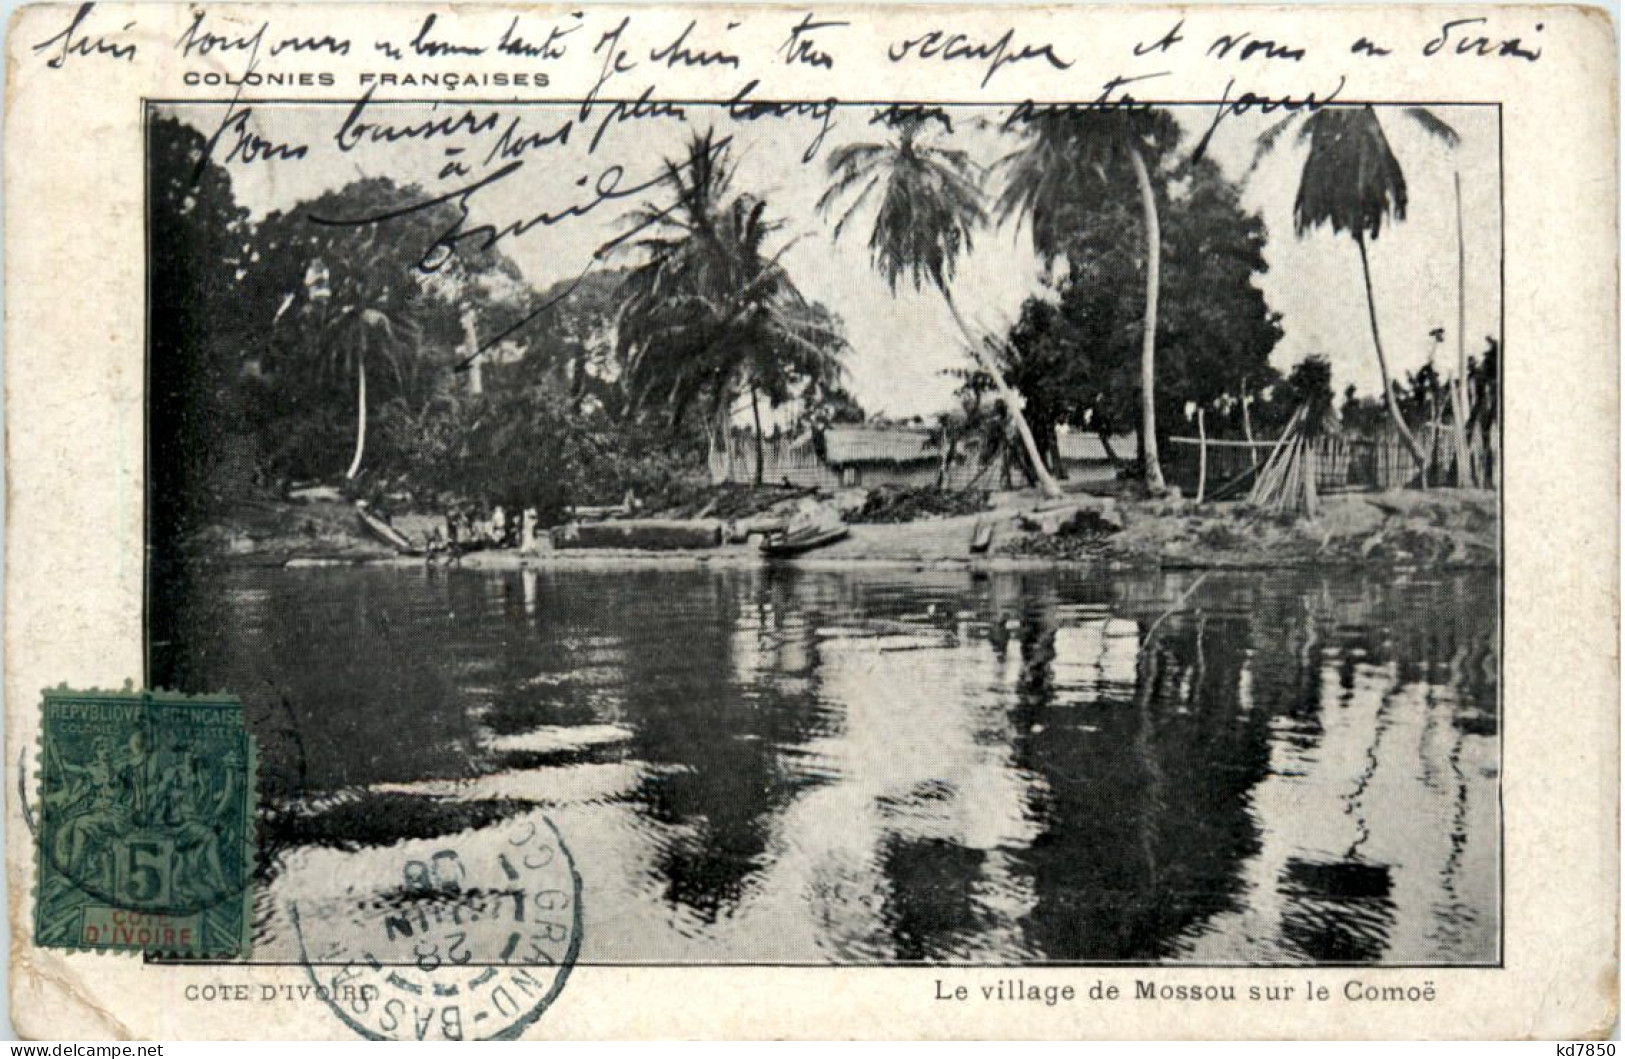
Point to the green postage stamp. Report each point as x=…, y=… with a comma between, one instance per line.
x=145, y=837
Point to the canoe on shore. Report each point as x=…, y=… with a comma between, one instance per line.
x=795, y=542
x=641, y=534
x=384, y=533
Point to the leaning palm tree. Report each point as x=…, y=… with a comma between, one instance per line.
x=930, y=207
x=1352, y=182
x=1048, y=181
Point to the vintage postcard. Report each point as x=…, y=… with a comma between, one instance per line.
x=772, y=521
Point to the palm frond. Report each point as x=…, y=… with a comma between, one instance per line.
x=1352, y=182
x=1434, y=126
x=1269, y=139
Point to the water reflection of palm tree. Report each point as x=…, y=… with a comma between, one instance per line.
x=1145, y=749
x=1127, y=866
x=719, y=745
x=1452, y=910
x=1355, y=800
x=904, y=851
x=1339, y=908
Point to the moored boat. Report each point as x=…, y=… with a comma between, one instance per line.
x=797, y=541
x=981, y=537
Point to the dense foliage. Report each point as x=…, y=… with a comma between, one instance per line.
x=318, y=346
x=1075, y=352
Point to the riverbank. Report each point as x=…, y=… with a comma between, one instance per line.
x=1445, y=529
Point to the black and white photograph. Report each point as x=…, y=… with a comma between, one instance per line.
x=877, y=533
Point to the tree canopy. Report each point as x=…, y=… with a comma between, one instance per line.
x=1074, y=351
x=710, y=311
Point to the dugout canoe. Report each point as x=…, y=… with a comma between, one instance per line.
x=796, y=542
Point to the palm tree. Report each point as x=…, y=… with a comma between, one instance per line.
x=710, y=311
x=361, y=333
x=930, y=207
x=349, y=328
x=1353, y=183
x=1067, y=152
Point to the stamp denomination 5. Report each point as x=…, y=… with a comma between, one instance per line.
x=146, y=809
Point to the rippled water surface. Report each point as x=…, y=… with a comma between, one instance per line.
x=883, y=766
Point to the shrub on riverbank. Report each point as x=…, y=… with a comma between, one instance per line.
x=1443, y=528
x=896, y=503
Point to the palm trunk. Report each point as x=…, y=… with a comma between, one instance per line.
x=360, y=418
x=726, y=428
x=1106, y=443
x=1148, y=342
x=756, y=416
x=1046, y=484
x=476, y=378
x=1465, y=471
x=1382, y=363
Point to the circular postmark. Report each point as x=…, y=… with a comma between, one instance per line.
x=470, y=939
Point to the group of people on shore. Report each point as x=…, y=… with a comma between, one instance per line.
x=470, y=529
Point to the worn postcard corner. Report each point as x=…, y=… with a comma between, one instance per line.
x=907, y=522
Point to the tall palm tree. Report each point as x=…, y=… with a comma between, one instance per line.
x=711, y=311
x=1352, y=182
x=1068, y=151
x=349, y=325
x=361, y=333
x=930, y=207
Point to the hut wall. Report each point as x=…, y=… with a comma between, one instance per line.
x=798, y=463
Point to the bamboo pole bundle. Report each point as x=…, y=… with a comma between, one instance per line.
x=1269, y=488
x=1288, y=481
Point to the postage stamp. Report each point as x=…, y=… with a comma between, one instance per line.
x=464, y=939
x=145, y=837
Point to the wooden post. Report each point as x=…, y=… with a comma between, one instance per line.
x=1466, y=473
x=1201, y=454
x=1310, y=476
x=1247, y=425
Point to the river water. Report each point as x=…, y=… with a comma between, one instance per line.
x=865, y=766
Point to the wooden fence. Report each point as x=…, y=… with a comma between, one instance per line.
x=796, y=461
x=1342, y=463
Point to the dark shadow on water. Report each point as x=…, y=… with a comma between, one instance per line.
x=366, y=820
x=930, y=912
x=1337, y=912
x=1105, y=793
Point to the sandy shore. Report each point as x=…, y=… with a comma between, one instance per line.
x=1454, y=529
